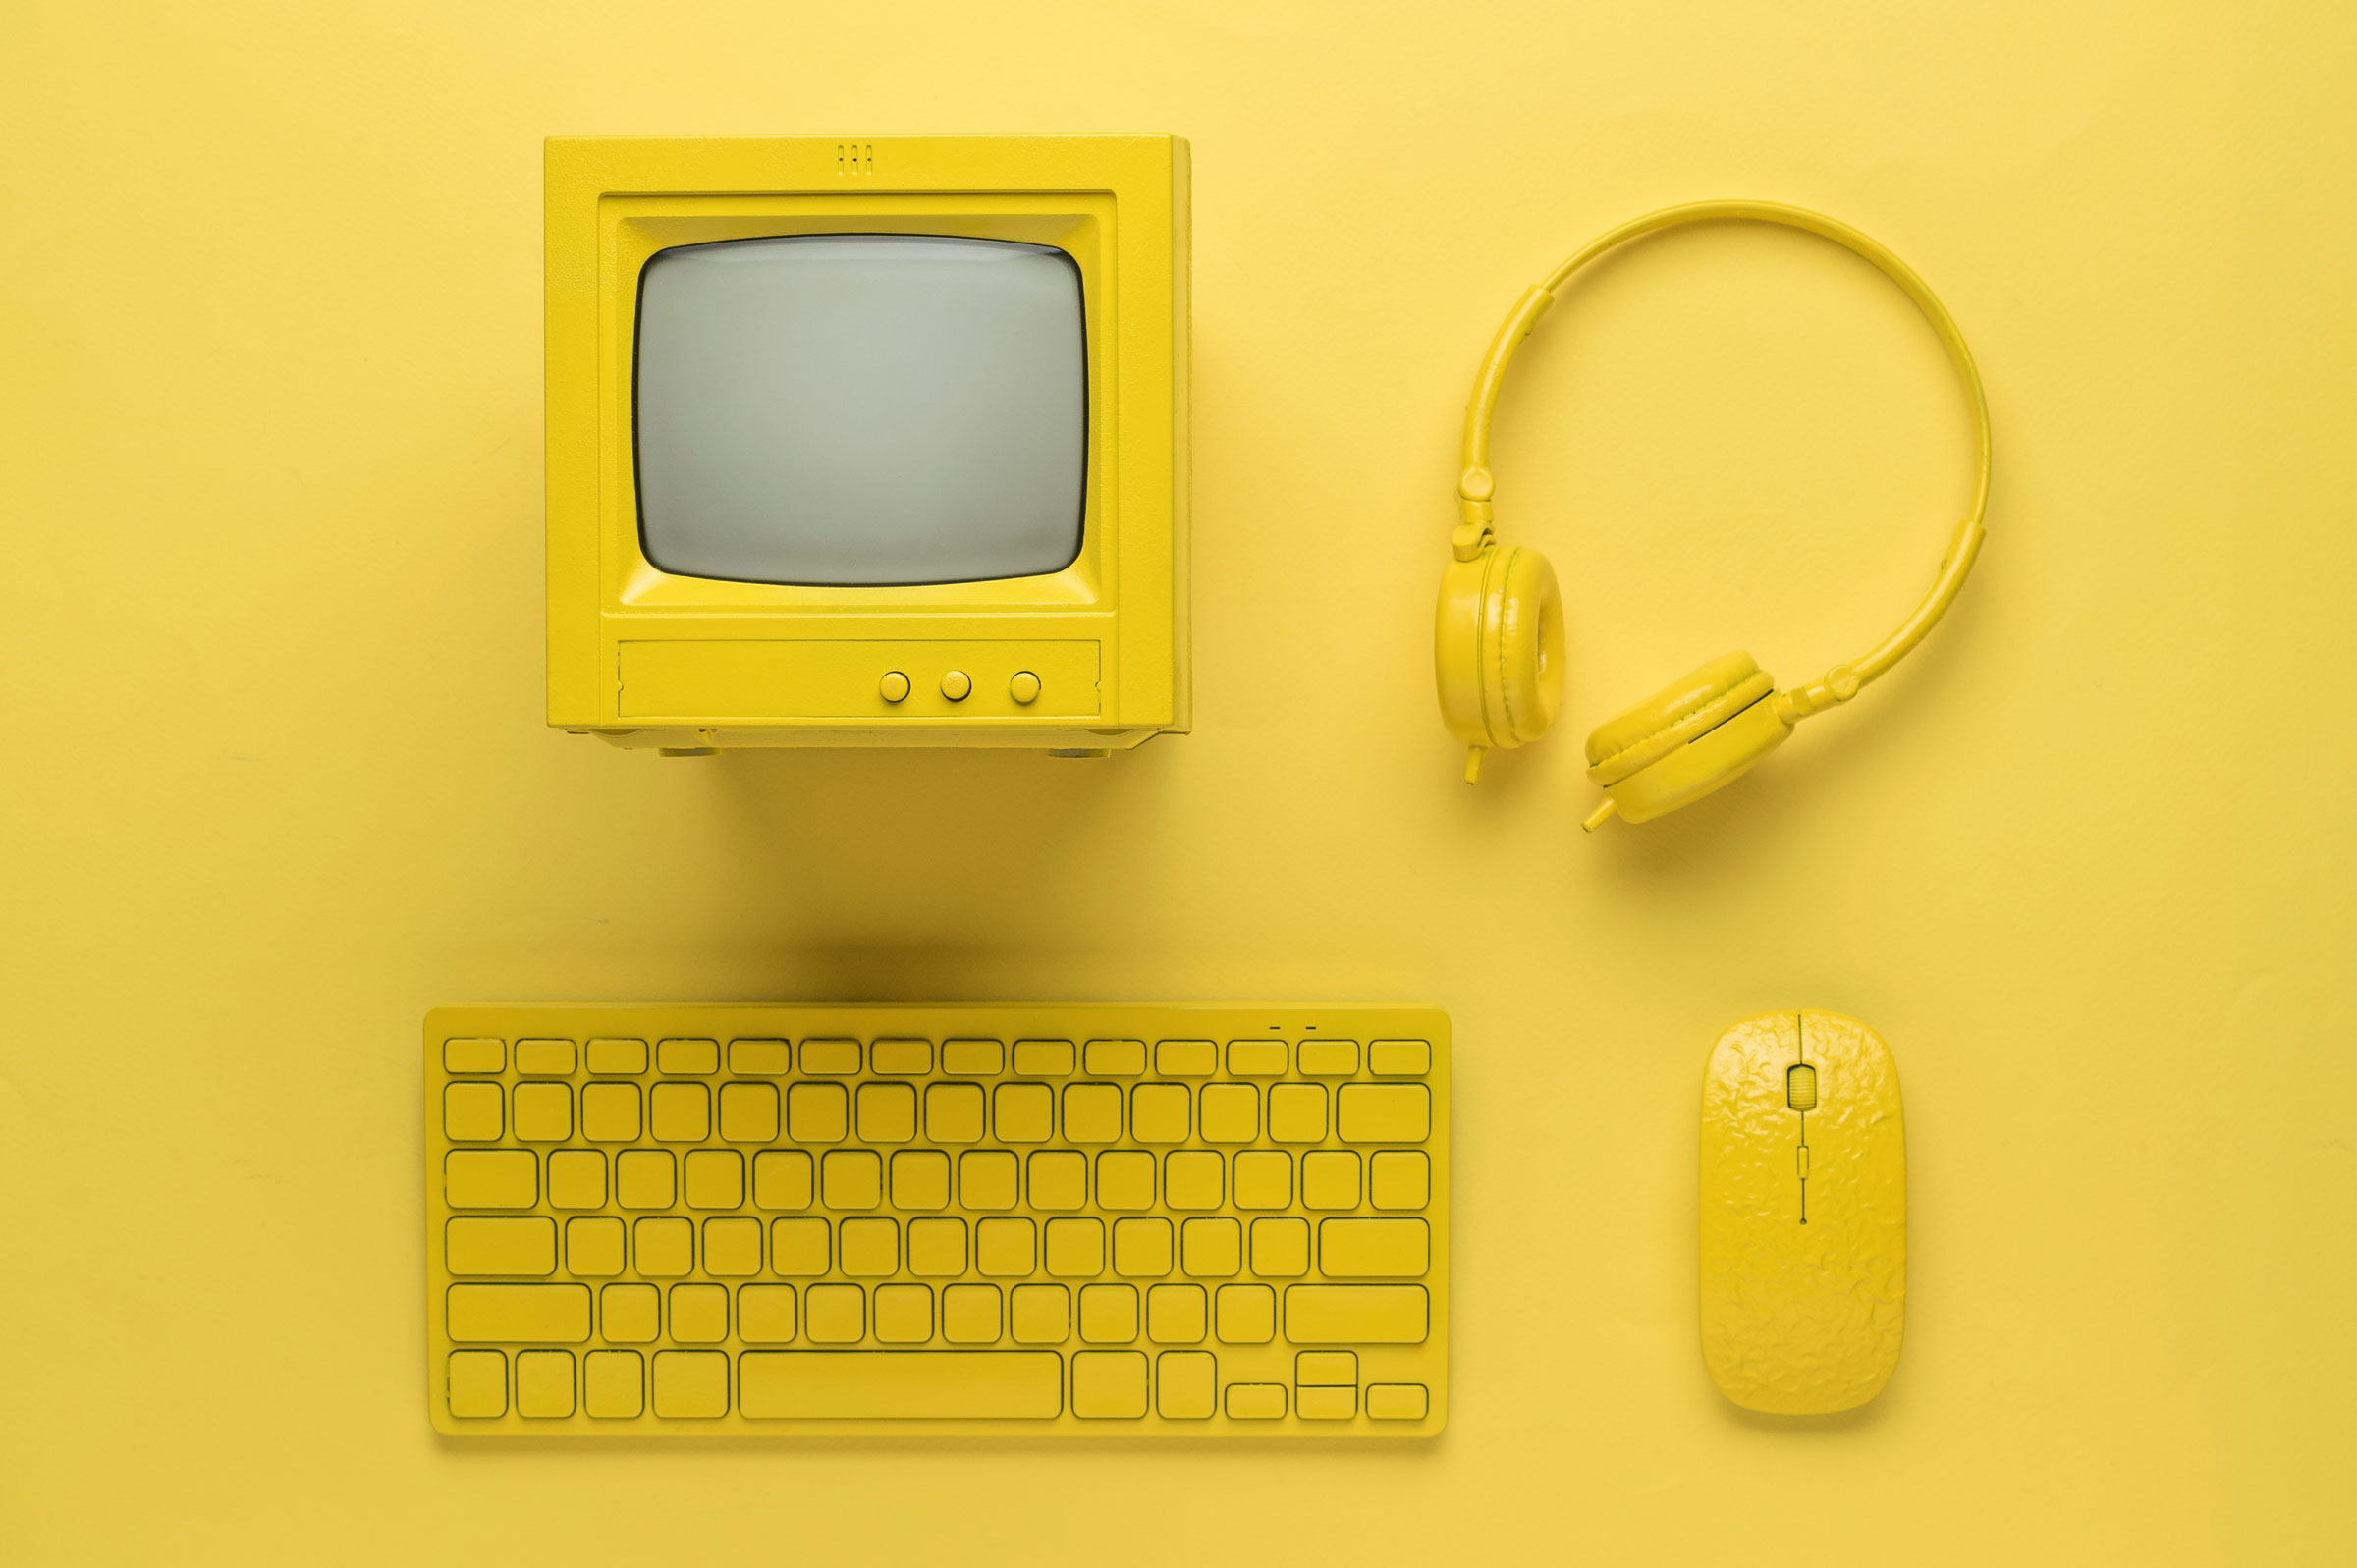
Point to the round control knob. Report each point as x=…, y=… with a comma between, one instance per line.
x=955, y=685
x=894, y=686
x=1024, y=688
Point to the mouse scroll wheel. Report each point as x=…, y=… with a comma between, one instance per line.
x=1800, y=1086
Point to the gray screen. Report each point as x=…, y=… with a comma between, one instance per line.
x=862, y=410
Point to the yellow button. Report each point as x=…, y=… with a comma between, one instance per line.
x=894, y=687
x=956, y=686
x=1024, y=688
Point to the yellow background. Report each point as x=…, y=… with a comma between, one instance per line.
x=277, y=782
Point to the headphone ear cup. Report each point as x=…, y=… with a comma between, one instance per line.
x=1498, y=647
x=1692, y=737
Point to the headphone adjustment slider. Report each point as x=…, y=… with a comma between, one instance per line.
x=1838, y=685
x=1469, y=538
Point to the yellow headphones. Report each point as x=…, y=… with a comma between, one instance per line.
x=1498, y=639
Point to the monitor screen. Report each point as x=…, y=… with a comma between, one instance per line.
x=861, y=410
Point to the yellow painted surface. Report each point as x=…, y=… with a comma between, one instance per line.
x=278, y=779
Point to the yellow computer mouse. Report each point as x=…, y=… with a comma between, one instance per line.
x=1804, y=1213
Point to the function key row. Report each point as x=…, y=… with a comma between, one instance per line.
x=959, y=1058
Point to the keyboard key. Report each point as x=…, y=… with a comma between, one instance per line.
x=1281, y=1248
x=610, y=1112
x=765, y=1313
x=691, y=1385
x=834, y=1314
x=903, y=1314
x=1109, y=1384
x=544, y=1380
x=838, y=1059
x=1296, y=1112
x=817, y=1113
x=473, y=1056
x=1256, y=1058
x=953, y=1113
x=1384, y=1113
x=1264, y=1179
x=517, y=1314
x=1023, y=1113
x=1092, y=1112
x=613, y=1384
x=969, y=1315
x=1255, y=1402
x=1327, y=1058
x=1325, y=1404
x=1005, y=1248
x=490, y=1178
x=1245, y=1315
x=1400, y=1179
x=1231, y=1112
x=1075, y=1248
x=782, y=1179
x=905, y=1059
x=899, y=1384
x=644, y=1178
x=759, y=1059
x=1125, y=1179
x=1108, y=1314
x=1330, y=1179
x=850, y=1178
x=1178, y=1315
x=680, y=1112
x=543, y=1112
x=478, y=1384
x=886, y=1112
x=473, y=1112
x=699, y=1314
x=973, y=1058
x=1193, y=1178
x=576, y=1179
x=1397, y=1401
x=748, y=1112
x=1212, y=1248
x=937, y=1248
x=1400, y=1059
x=799, y=1247
x=625, y=1059
x=1367, y=1314
x=1141, y=1247
x=548, y=1059
x=714, y=1179
x=1157, y=1113
x=1043, y=1058
x=1325, y=1369
x=666, y=1247
x=482, y=1245
x=870, y=1247
x=986, y=1178
x=1059, y=1178
x=1384, y=1249
x=593, y=1246
x=921, y=1179
x=1041, y=1315
x=1115, y=1059
x=733, y=1247
x=1185, y=1385
x=687, y=1057
x=1186, y=1059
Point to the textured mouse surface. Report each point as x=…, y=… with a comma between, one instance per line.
x=1699, y=701
x=1802, y=1318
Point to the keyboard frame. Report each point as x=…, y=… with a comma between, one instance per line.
x=1426, y=1362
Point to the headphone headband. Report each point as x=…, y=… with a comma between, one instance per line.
x=1476, y=487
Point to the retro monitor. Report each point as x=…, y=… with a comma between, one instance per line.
x=876, y=442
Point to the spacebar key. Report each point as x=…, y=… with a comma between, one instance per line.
x=899, y=1384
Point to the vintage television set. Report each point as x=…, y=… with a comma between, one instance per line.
x=868, y=442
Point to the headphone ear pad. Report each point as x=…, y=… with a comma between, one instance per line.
x=1689, y=738
x=1498, y=647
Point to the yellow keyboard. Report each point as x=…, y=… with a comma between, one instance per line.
x=1054, y=1220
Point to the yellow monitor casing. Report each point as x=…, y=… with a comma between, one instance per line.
x=1086, y=659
